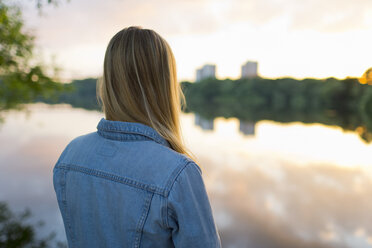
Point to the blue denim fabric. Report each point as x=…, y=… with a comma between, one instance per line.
x=123, y=186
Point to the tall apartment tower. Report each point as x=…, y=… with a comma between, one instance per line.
x=249, y=69
x=206, y=71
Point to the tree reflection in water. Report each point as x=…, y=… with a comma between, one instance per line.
x=261, y=197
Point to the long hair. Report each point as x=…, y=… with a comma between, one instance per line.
x=139, y=84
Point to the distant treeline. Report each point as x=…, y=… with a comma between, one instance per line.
x=78, y=93
x=345, y=103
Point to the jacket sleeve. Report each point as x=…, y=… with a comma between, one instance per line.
x=189, y=213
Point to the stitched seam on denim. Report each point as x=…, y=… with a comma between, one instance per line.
x=132, y=131
x=172, y=183
x=163, y=210
x=136, y=130
x=134, y=137
x=111, y=177
x=166, y=213
x=173, y=177
x=142, y=220
x=64, y=204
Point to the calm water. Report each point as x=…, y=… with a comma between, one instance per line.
x=270, y=184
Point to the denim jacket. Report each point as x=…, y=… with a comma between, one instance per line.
x=123, y=186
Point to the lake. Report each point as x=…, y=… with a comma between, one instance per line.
x=270, y=184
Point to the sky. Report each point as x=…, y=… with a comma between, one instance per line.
x=295, y=38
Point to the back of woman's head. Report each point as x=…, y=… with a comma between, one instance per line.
x=139, y=83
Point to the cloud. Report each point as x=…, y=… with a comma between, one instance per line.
x=78, y=31
x=331, y=15
x=96, y=21
x=318, y=15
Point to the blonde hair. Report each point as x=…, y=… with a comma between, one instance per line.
x=139, y=84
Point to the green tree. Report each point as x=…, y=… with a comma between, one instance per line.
x=21, y=79
x=15, y=231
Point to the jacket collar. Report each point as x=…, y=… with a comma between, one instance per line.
x=119, y=130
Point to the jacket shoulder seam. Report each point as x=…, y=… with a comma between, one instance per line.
x=174, y=176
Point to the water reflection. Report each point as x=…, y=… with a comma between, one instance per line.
x=205, y=124
x=270, y=185
x=289, y=185
x=271, y=203
x=247, y=127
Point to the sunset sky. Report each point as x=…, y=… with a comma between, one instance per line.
x=296, y=38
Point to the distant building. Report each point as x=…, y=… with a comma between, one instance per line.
x=205, y=124
x=249, y=69
x=206, y=71
x=247, y=127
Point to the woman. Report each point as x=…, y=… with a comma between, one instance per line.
x=133, y=183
